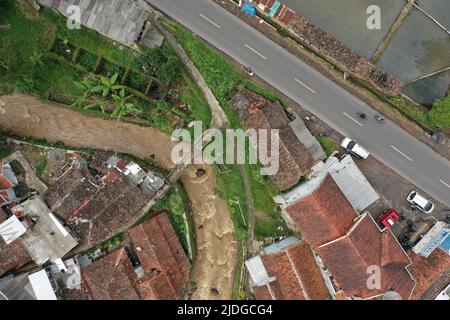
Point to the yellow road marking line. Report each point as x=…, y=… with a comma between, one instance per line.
x=209, y=20
x=307, y=87
x=402, y=153
x=259, y=54
x=445, y=184
x=353, y=119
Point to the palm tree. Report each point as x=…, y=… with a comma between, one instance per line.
x=122, y=106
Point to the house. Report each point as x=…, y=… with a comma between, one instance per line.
x=347, y=176
x=363, y=249
x=121, y=20
x=34, y=286
x=287, y=270
x=427, y=270
x=94, y=206
x=47, y=239
x=156, y=268
x=348, y=245
x=323, y=216
x=299, y=151
x=12, y=255
x=149, y=182
x=159, y=250
x=7, y=183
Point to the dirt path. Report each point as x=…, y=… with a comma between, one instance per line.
x=216, y=260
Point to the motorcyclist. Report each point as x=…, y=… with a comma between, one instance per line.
x=380, y=118
x=361, y=115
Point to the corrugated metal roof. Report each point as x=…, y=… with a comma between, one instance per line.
x=11, y=229
x=354, y=185
x=307, y=139
x=121, y=20
x=350, y=180
x=280, y=245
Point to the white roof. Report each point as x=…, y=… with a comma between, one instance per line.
x=41, y=285
x=257, y=270
x=11, y=229
x=444, y=294
x=350, y=180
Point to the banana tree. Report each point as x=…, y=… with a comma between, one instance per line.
x=86, y=86
x=107, y=85
x=123, y=107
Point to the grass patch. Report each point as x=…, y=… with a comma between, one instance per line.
x=40, y=168
x=327, y=144
x=196, y=102
x=232, y=191
x=87, y=60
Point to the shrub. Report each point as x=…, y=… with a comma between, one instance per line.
x=87, y=60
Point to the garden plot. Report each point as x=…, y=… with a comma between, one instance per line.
x=345, y=20
x=419, y=47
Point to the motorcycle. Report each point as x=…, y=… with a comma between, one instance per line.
x=380, y=118
x=361, y=115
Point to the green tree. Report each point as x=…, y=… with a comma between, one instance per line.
x=169, y=71
x=440, y=113
x=153, y=59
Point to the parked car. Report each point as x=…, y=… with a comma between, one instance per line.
x=388, y=218
x=420, y=202
x=354, y=148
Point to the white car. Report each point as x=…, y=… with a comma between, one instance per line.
x=420, y=202
x=354, y=148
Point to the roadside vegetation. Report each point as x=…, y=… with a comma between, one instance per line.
x=327, y=144
x=49, y=60
x=225, y=81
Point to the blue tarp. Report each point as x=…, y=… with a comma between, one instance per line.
x=249, y=9
x=274, y=8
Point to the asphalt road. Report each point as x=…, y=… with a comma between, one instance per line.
x=387, y=142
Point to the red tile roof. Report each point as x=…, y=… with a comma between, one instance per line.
x=5, y=184
x=111, y=278
x=14, y=255
x=349, y=257
x=426, y=270
x=324, y=215
x=297, y=276
x=159, y=249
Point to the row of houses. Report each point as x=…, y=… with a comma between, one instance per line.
x=87, y=204
x=343, y=248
